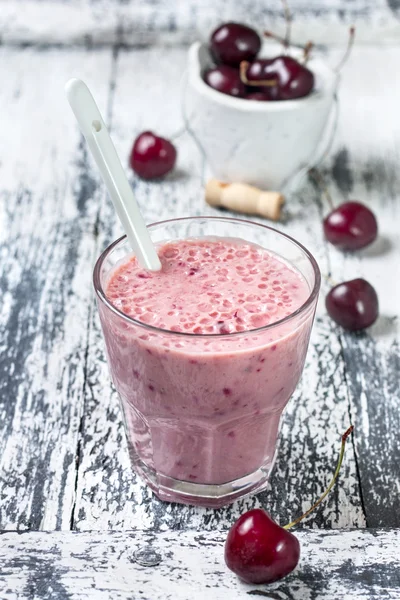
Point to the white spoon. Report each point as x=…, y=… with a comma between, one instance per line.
x=102, y=148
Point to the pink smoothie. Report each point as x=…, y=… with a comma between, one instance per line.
x=205, y=408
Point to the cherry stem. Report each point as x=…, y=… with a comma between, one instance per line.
x=330, y=281
x=330, y=486
x=307, y=51
x=275, y=36
x=288, y=19
x=306, y=48
x=243, y=76
x=346, y=55
x=316, y=177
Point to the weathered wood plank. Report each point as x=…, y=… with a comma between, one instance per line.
x=49, y=203
x=361, y=565
x=133, y=23
x=43, y=337
x=108, y=495
x=365, y=167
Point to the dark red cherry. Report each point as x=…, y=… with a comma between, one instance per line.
x=226, y=80
x=293, y=80
x=152, y=156
x=273, y=93
x=232, y=42
x=353, y=304
x=266, y=93
x=261, y=96
x=258, y=71
x=351, y=226
x=258, y=550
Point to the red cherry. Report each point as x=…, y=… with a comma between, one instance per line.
x=292, y=79
x=351, y=226
x=353, y=304
x=226, y=80
x=152, y=156
x=232, y=42
x=258, y=550
x=273, y=93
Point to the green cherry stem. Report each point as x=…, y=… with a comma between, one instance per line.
x=330, y=486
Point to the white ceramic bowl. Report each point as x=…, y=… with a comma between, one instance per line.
x=266, y=144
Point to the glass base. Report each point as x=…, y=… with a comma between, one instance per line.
x=210, y=496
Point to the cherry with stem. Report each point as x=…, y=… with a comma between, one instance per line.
x=259, y=550
x=284, y=76
x=349, y=226
x=244, y=65
x=353, y=304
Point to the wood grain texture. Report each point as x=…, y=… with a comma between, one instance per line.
x=369, y=172
x=108, y=495
x=48, y=209
x=173, y=21
x=61, y=429
x=361, y=565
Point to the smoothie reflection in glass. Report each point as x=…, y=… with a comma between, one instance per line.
x=206, y=353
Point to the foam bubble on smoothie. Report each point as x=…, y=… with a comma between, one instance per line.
x=209, y=286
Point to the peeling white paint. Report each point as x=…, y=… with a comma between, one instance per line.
x=100, y=566
x=172, y=22
x=56, y=416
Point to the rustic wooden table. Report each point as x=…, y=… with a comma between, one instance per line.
x=72, y=514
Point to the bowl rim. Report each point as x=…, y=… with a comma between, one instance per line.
x=245, y=105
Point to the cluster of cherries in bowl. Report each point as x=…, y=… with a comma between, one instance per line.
x=240, y=73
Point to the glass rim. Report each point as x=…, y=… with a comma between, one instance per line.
x=303, y=308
